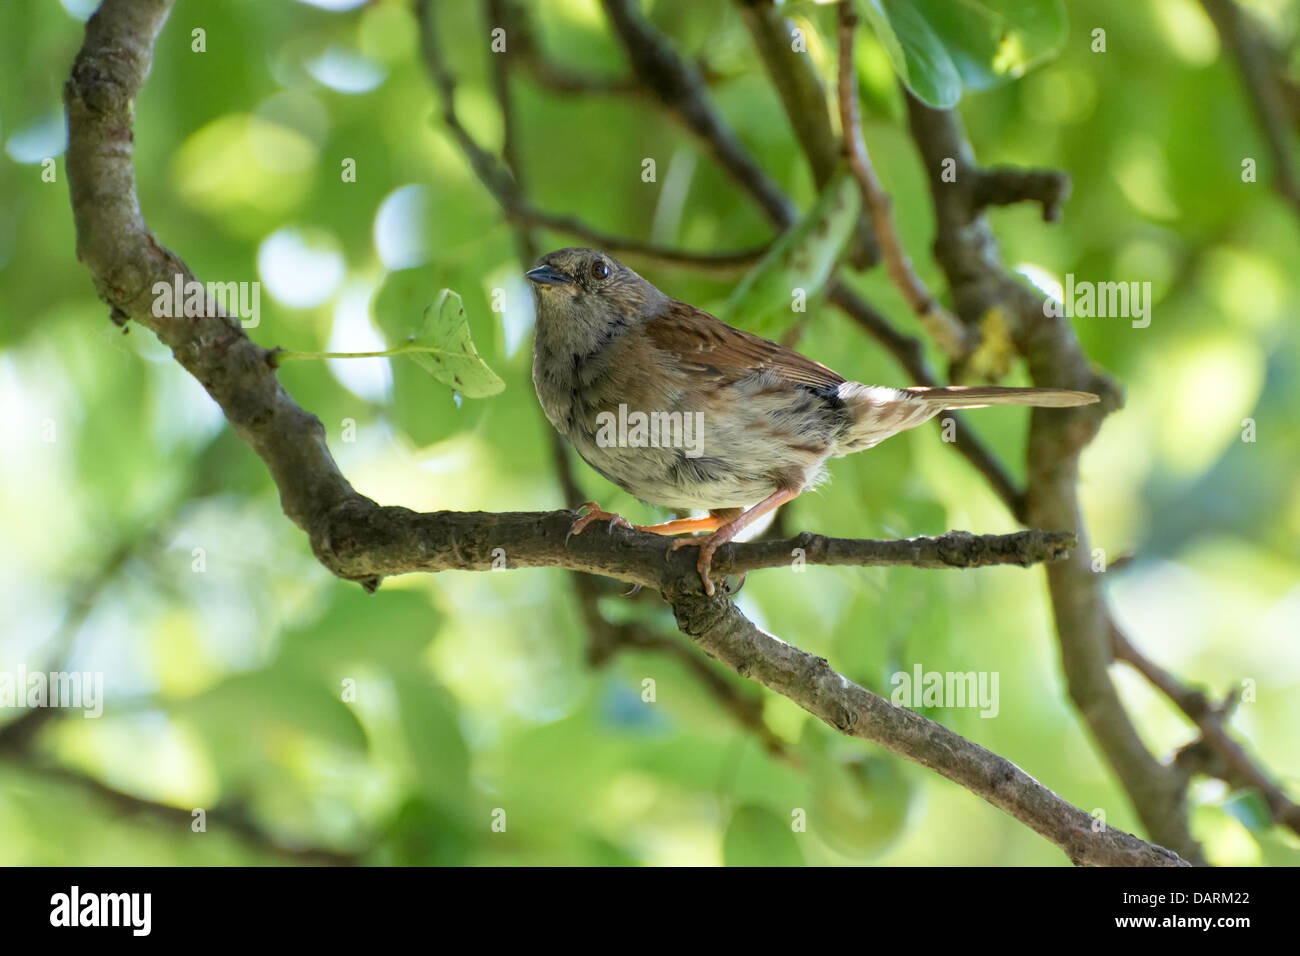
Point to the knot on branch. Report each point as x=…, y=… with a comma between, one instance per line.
x=1005, y=185
x=345, y=538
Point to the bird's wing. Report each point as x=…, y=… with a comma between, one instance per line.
x=708, y=346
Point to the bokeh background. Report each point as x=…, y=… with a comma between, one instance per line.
x=142, y=539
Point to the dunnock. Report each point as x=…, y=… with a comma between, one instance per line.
x=680, y=409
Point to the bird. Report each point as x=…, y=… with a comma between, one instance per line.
x=684, y=411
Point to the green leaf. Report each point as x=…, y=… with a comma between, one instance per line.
x=918, y=54
x=441, y=343
x=758, y=837
x=994, y=41
x=801, y=258
x=939, y=47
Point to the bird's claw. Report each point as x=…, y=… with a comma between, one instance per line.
x=707, y=548
x=595, y=513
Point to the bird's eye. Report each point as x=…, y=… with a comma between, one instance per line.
x=599, y=270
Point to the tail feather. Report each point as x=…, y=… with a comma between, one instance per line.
x=876, y=412
x=978, y=396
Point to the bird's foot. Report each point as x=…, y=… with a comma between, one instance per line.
x=594, y=514
x=708, y=547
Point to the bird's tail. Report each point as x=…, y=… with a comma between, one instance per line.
x=877, y=412
x=978, y=396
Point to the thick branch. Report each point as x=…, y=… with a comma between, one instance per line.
x=365, y=542
x=126, y=260
x=1006, y=185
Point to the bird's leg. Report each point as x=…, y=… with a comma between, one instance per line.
x=712, y=522
x=733, y=527
x=682, y=525
x=595, y=513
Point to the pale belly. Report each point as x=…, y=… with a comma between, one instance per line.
x=691, y=459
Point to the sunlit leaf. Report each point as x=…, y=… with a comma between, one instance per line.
x=440, y=341
x=939, y=47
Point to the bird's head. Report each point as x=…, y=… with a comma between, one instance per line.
x=587, y=285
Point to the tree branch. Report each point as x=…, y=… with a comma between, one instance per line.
x=229, y=819
x=362, y=541
x=1006, y=185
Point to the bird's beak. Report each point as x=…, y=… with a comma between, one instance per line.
x=545, y=275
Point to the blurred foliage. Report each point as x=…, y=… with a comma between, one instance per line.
x=453, y=718
x=801, y=259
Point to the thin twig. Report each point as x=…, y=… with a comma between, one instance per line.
x=947, y=331
x=679, y=85
x=719, y=261
x=218, y=819
x=803, y=98
x=1237, y=766
x=1266, y=96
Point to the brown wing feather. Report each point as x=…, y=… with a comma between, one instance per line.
x=707, y=343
